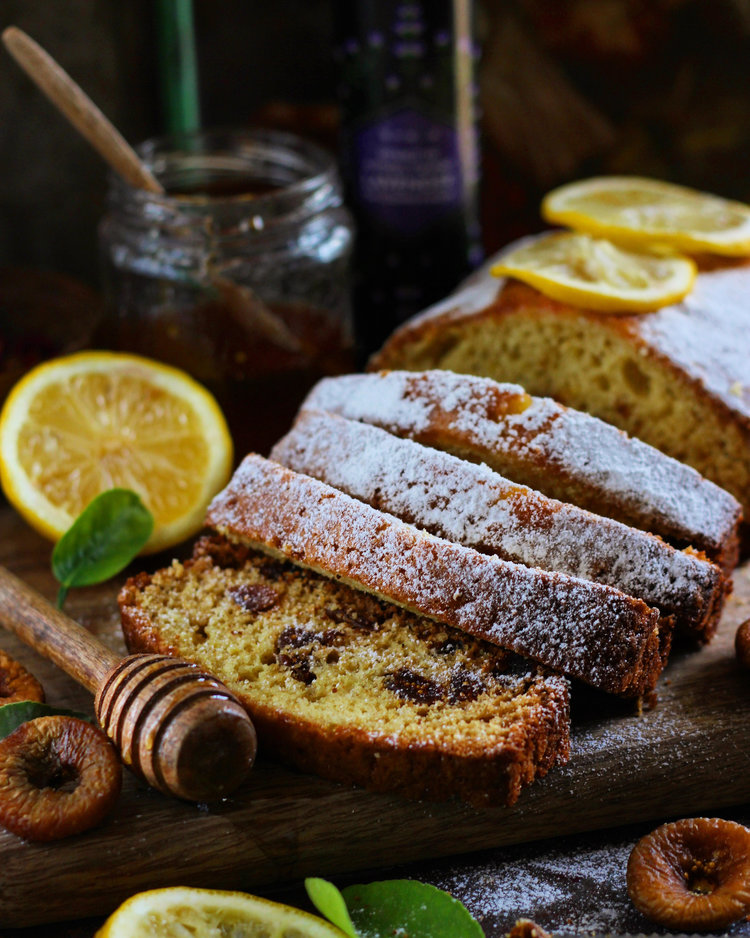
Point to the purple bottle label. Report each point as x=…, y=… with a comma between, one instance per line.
x=408, y=170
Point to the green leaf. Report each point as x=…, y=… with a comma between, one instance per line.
x=403, y=907
x=102, y=540
x=329, y=902
x=12, y=715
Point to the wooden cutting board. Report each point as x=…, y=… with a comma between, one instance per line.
x=689, y=755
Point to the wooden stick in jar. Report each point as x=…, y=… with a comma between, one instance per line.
x=69, y=98
x=80, y=110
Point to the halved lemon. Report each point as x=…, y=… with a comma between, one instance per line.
x=78, y=425
x=596, y=274
x=633, y=210
x=180, y=911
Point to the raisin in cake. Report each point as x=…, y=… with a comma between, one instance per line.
x=677, y=378
x=354, y=689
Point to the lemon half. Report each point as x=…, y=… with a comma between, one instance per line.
x=180, y=911
x=595, y=274
x=76, y=426
x=635, y=210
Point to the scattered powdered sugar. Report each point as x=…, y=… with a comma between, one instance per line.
x=525, y=890
x=580, y=890
x=574, y=889
x=476, y=415
x=472, y=505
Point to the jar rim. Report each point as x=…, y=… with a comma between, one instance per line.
x=303, y=165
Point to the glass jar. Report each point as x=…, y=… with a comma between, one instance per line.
x=238, y=274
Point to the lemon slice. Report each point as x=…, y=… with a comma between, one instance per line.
x=210, y=913
x=634, y=210
x=596, y=274
x=76, y=426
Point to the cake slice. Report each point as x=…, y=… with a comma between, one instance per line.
x=677, y=378
x=586, y=630
x=564, y=453
x=472, y=505
x=351, y=688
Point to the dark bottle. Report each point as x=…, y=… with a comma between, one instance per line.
x=408, y=153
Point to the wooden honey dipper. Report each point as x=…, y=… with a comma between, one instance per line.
x=173, y=724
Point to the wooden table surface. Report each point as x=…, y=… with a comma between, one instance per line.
x=689, y=755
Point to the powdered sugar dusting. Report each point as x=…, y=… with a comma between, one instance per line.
x=472, y=416
x=643, y=480
x=474, y=506
x=351, y=393
x=580, y=888
x=708, y=335
x=584, y=629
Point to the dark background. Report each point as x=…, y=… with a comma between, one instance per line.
x=568, y=87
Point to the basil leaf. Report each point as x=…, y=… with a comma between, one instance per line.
x=102, y=540
x=407, y=907
x=329, y=902
x=12, y=715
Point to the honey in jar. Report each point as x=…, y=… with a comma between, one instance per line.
x=239, y=274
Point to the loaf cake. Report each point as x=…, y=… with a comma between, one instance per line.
x=677, y=378
x=585, y=630
x=472, y=505
x=349, y=687
x=566, y=454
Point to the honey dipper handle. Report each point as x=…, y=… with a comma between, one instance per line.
x=36, y=622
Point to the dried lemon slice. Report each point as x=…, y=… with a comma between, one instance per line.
x=204, y=913
x=596, y=274
x=78, y=425
x=636, y=211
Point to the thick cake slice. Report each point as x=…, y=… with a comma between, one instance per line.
x=586, y=630
x=677, y=378
x=353, y=689
x=472, y=505
x=561, y=452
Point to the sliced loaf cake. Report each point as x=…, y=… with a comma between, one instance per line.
x=583, y=629
x=349, y=687
x=472, y=505
x=566, y=454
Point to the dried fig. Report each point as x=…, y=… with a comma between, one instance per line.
x=58, y=776
x=742, y=644
x=525, y=928
x=16, y=683
x=692, y=875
